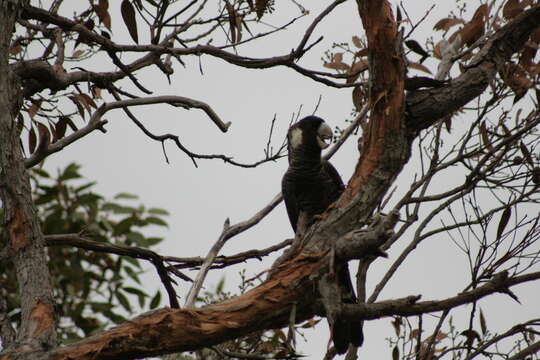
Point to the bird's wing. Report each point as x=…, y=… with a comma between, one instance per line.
x=291, y=203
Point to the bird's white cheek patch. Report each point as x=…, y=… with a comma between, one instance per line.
x=295, y=138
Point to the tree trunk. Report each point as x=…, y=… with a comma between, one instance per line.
x=25, y=241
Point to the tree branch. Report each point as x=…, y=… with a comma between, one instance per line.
x=425, y=107
x=78, y=241
x=500, y=283
x=96, y=121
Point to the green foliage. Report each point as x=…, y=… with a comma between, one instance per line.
x=92, y=289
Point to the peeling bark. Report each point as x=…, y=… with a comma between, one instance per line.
x=26, y=244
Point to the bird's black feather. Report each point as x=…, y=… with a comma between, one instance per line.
x=311, y=185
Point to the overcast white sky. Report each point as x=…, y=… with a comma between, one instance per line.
x=200, y=199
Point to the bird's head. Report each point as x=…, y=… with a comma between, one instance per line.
x=309, y=133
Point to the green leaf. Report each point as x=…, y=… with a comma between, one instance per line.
x=156, y=221
x=220, y=286
x=89, y=198
x=132, y=261
x=135, y=237
x=132, y=274
x=117, y=209
x=123, y=226
x=155, y=300
x=41, y=173
x=125, y=196
x=117, y=319
x=123, y=300
x=84, y=187
x=158, y=211
x=141, y=295
x=148, y=242
x=101, y=306
x=70, y=172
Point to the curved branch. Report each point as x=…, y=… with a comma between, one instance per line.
x=97, y=122
x=78, y=241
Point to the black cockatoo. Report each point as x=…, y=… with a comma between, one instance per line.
x=310, y=185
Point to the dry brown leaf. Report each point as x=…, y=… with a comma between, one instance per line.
x=483, y=324
x=15, y=49
x=77, y=53
x=32, y=139
x=86, y=101
x=128, y=15
x=516, y=78
x=436, y=338
x=437, y=49
x=485, y=136
x=43, y=135
x=337, y=63
x=395, y=353
x=357, y=42
x=482, y=12
x=78, y=104
x=239, y=19
x=414, y=334
x=232, y=20
x=505, y=217
x=513, y=8
x=472, y=31
x=363, y=52
x=446, y=23
x=97, y=92
x=526, y=153
x=60, y=128
x=34, y=108
x=260, y=7
x=358, y=97
x=355, y=70
x=102, y=11
x=420, y=67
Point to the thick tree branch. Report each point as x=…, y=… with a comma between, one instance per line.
x=425, y=107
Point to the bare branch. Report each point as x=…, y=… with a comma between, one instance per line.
x=500, y=283
x=529, y=350
x=140, y=253
x=96, y=122
x=224, y=261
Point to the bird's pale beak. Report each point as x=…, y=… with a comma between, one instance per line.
x=324, y=136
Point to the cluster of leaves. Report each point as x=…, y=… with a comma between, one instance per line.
x=519, y=76
x=92, y=289
x=411, y=342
